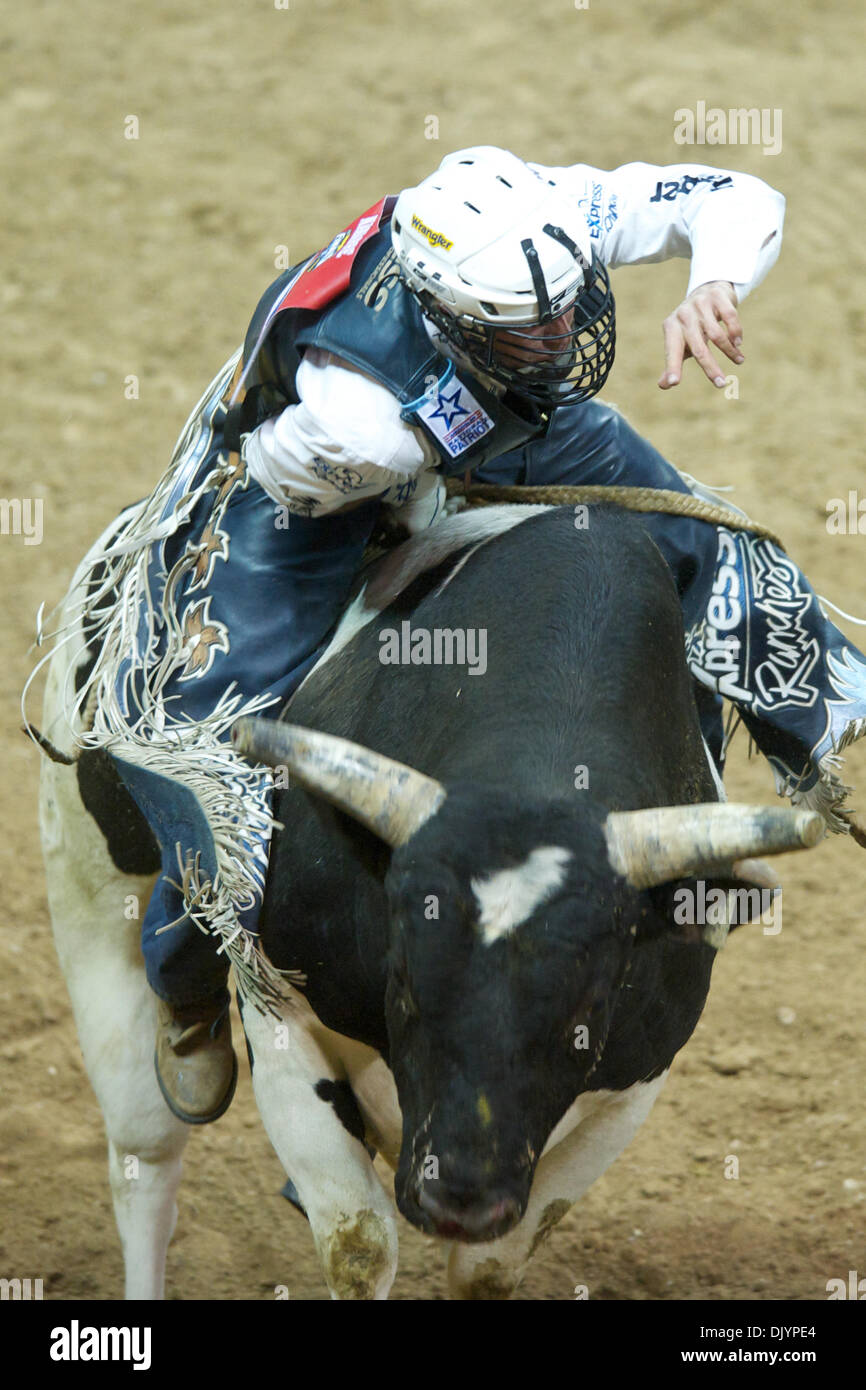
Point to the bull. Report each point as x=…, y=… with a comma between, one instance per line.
x=495, y=984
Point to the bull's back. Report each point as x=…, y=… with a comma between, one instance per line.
x=583, y=663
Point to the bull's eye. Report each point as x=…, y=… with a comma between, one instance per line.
x=403, y=998
x=406, y=1004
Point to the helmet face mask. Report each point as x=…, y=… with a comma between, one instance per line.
x=501, y=262
x=561, y=361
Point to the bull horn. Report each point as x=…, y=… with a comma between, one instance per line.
x=388, y=797
x=667, y=842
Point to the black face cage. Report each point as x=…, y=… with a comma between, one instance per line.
x=560, y=369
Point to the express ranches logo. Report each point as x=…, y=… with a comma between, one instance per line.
x=434, y=238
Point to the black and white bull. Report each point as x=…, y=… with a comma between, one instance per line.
x=476, y=878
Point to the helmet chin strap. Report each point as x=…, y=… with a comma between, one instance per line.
x=559, y=234
x=538, y=282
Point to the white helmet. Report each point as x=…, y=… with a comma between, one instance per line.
x=488, y=246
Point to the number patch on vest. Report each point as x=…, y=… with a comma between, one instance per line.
x=453, y=415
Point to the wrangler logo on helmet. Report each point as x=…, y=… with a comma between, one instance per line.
x=434, y=238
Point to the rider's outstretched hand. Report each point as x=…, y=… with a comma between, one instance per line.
x=707, y=316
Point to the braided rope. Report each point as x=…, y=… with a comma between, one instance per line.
x=633, y=499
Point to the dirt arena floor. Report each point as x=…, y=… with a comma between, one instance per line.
x=261, y=127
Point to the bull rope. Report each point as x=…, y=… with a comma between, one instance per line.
x=632, y=499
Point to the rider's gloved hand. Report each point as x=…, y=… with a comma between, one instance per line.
x=425, y=505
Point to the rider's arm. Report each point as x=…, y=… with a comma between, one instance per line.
x=345, y=441
x=729, y=223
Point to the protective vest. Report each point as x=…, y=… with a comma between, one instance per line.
x=374, y=323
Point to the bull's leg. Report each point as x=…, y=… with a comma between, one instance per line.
x=96, y=930
x=313, y=1123
x=594, y=1133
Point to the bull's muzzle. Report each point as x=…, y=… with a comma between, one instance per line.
x=480, y=1219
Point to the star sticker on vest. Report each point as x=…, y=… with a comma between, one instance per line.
x=455, y=419
x=442, y=411
x=202, y=639
x=212, y=543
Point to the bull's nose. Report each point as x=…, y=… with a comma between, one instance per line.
x=477, y=1219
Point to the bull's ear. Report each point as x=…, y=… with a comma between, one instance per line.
x=707, y=909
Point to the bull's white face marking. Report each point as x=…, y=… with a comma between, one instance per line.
x=510, y=896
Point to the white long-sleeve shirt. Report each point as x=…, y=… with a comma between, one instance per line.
x=345, y=440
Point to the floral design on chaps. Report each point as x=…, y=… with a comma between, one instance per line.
x=202, y=639
x=213, y=544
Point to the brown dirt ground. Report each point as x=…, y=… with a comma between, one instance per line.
x=261, y=127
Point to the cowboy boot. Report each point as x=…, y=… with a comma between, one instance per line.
x=195, y=1063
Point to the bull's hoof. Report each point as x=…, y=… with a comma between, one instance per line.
x=196, y=1067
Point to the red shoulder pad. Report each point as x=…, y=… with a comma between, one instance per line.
x=327, y=274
